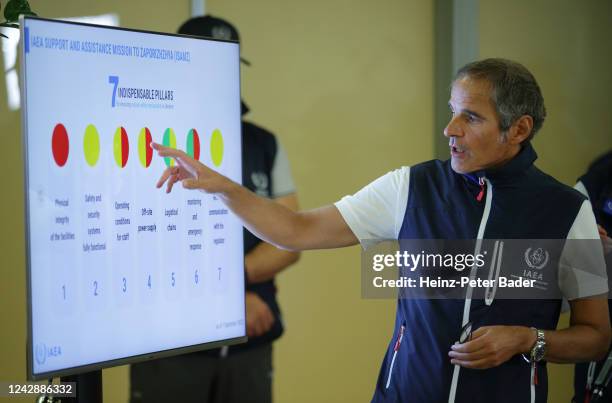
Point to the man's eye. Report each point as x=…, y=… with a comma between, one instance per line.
x=471, y=118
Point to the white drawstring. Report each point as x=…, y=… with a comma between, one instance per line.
x=495, y=267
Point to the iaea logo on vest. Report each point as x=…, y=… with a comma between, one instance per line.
x=536, y=259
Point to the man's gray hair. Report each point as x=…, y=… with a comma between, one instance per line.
x=514, y=91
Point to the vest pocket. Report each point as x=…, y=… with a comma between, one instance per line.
x=396, y=347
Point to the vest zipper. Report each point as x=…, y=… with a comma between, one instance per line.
x=482, y=183
x=398, y=343
x=468, y=298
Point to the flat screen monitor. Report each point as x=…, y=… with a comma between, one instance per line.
x=117, y=270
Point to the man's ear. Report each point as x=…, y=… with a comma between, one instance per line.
x=520, y=129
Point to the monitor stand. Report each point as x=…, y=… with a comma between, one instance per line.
x=88, y=387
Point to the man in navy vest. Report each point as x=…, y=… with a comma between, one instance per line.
x=488, y=189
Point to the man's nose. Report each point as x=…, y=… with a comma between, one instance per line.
x=453, y=128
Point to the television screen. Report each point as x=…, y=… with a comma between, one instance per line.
x=117, y=270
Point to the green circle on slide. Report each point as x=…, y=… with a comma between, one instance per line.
x=169, y=141
x=91, y=145
x=216, y=147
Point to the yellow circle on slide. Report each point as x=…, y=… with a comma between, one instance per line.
x=216, y=147
x=91, y=145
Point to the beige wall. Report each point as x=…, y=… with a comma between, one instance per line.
x=347, y=85
x=566, y=44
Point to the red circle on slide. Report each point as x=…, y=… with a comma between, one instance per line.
x=196, y=145
x=125, y=147
x=60, y=144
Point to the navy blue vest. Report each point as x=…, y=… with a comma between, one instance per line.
x=526, y=203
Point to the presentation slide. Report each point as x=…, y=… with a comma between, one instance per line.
x=116, y=267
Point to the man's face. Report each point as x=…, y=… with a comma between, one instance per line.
x=475, y=140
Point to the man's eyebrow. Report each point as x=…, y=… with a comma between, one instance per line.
x=469, y=112
x=472, y=113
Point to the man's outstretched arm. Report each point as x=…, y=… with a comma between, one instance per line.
x=276, y=224
x=265, y=261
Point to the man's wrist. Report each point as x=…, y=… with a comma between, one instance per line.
x=529, y=337
x=228, y=188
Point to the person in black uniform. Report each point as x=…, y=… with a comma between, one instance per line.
x=596, y=184
x=243, y=372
